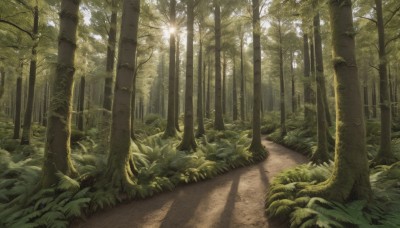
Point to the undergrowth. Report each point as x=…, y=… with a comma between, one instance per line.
x=284, y=204
x=158, y=167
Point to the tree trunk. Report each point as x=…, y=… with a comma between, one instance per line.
x=374, y=100
x=319, y=57
x=242, y=82
x=208, y=101
x=112, y=41
x=320, y=155
x=224, y=65
x=26, y=132
x=218, y=121
x=282, y=84
x=81, y=106
x=294, y=97
x=45, y=103
x=170, y=130
x=2, y=82
x=385, y=155
x=57, y=156
x=17, y=120
x=119, y=169
x=200, y=121
x=365, y=90
x=177, y=70
x=350, y=178
x=308, y=113
x=256, y=148
x=234, y=92
x=188, y=142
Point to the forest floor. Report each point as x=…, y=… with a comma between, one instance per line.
x=235, y=199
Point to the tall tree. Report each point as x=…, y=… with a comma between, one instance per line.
x=256, y=148
x=218, y=118
x=26, y=133
x=350, y=177
x=57, y=149
x=200, y=119
x=188, y=141
x=119, y=171
x=17, y=120
x=170, y=130
x=385, y=154
x=177, y=70
x=234, y=92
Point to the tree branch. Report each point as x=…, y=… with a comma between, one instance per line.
x=370, y=19
x=392, y=39
x=17, y=27
x=394, y=12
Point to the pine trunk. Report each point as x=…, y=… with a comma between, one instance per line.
x=119, y=166
x=26, y=132
x=282, y=84
x=350, y=178
x=57, y=156
x=218, y=121
x=200, y=120
x=170, y=130
x=17, y=120
x=177, y=70
x=308, y=113
x=234, y=92
x=188, y=142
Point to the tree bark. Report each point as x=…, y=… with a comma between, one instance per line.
x=218, y=121
x=308, y=113
x=26, y=132
x=385, y=155
x=200, y=120
x=208, y=101
x=255, y=147
x=177, y=70
x=224, y=65
x=294, y=97
x=57, y=156
x=112, y=41
x=281, y=83
x=242, y=82
x=350, y=178
x=170, y=130
x=81, y=106
x=188, y=142
x=119, y=170
x=319, y=58
x=234, y=92
x=17, y=120
x=374, y=100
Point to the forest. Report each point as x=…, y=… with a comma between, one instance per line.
x=194, y=113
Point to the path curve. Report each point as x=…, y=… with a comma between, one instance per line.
x=235, y=199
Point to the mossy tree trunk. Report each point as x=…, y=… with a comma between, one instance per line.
x=45, y=103
x=256, y=148
x=200, y=120
x=26, y=132
x=57, y=156
x=350, y=178
x=170, y=130
x=385, y=155
x=218, y=118
x=188, y=142
x=2, y=81
x=119, y=171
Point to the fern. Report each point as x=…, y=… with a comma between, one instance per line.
x=67, y=183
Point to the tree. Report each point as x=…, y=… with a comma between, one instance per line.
x=218, y=118
x=170, y=131
x=188, y=141
x=57, y=148
x=350, y=178
x=385, y=154
x=256, y=148
x=119, y=170
x=200, y=119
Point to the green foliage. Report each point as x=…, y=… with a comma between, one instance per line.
x=285, y=203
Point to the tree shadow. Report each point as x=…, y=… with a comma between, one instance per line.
x=226, y=215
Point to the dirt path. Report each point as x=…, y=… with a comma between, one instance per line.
x=235, y=199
